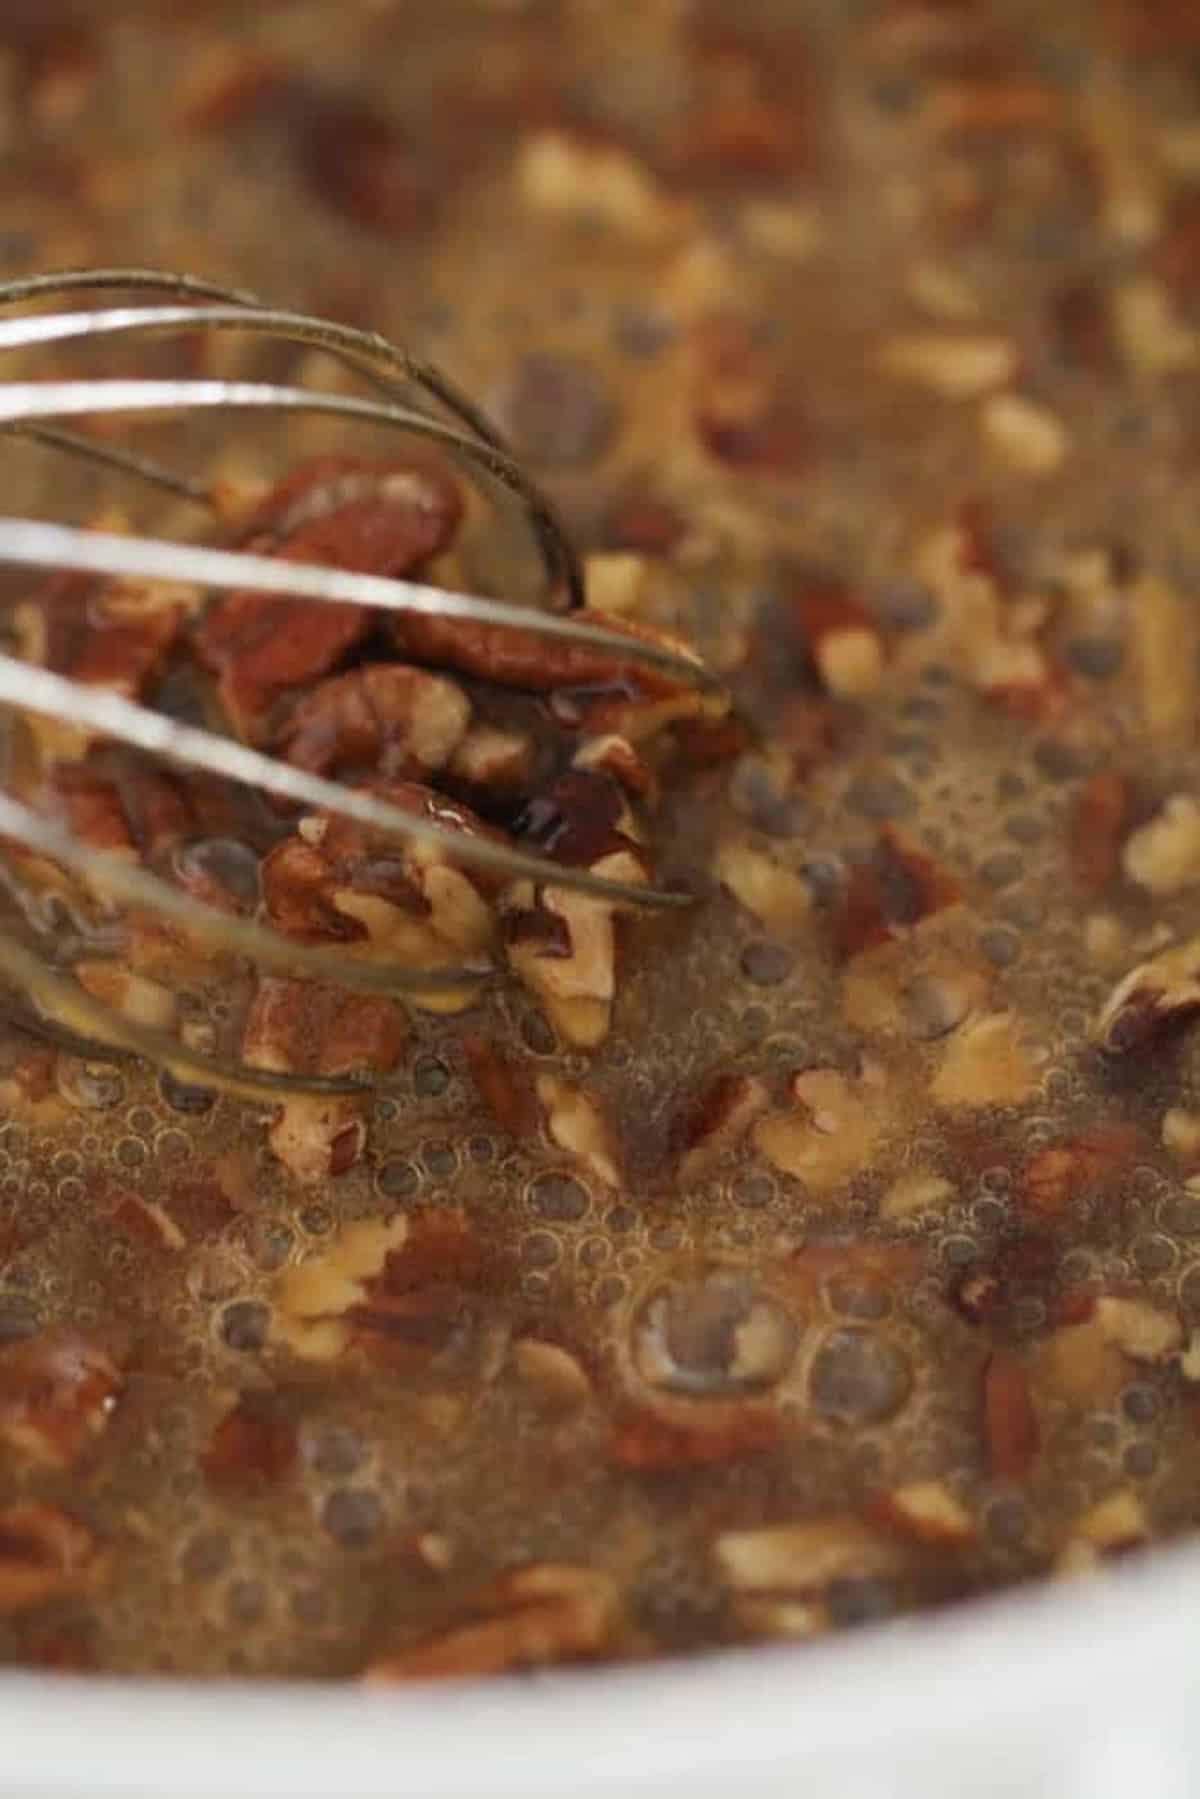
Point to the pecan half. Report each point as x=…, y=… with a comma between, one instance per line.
x=378, y=519
x=312, y=1300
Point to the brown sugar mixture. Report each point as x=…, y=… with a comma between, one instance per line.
x=830, y=1249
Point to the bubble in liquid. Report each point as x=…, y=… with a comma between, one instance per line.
x=430, y=1077
x=337, y=1450
x=559, y=1198
x=352, y=1516
x=713, y=1335
x=398, y=1180
x=206, y=1556
x=539, y=1249
x=440, y=1159
x=859, y=1377
x=245, y=1325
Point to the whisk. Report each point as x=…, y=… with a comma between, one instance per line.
x=405, y=394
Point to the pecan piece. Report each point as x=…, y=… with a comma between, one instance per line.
x=1010, y=1428
x=253, y=1445
x=564, y=949
x=831, y=1132
x=45, y=1554
x=842, y=638
x=378, y=519
x=1152, y=1002
x=717, y=1120
x=807, y=1557
x=647, y=1441
x=1111, y=1527
x=1164, y=855
x=595, y=688
x=530, y=1618
x=1143, y=1332
x=575, y=1122
x=101, y=634
x=1062, y=1172
x=307, y=1027
x=57, y=1393
x=1098, y=823
x=393, y=721
x=984, y=1064
x=312, y=1301
x=927, y=1512
x=335, y=881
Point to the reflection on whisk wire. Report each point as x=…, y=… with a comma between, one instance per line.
x=63, y=1011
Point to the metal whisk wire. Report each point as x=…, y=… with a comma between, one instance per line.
x=37, y=409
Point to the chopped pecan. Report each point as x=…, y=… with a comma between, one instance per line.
x=807, y=1557
x=1010, y=1428
x=957, y=365
x=1079, y=1362
x=832, y=1131
x=915, y=1193
x=1153, y=338
x=503, y=1086
x=378, y=519
x=1143, y=1332
x=1031, y=439
x=335, y=881
x=842, y=638
x=424, y=1305
x=392, y=721
x=1098, y=823
x=1062, y=1172
x=312, y=1301
x=559, y=1374
x=745, y=416
x=57, y=1393
x=307, y=1027
x=45, y=1554
x=901, y=886
x=1164, y=855
x=616, y=757
x=498, y=762
x=928, y=1512
x=649, y=1441
x=1152, y=1002
x=778, y=898
x=146, y=1221
x=530, y=1618
x=571, y=176
x=1181, y=1133
x=1110, y=1527
x=984, y=1064
x=569, y=960
x=144, y=1001
x=715, y=1122
x=576, y=1123
x=361, y=165
x=253, y=1445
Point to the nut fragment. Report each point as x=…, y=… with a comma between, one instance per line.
x=778, y=898
x=914, y=1193
x=253, y=1445
x=312, y=1300
x=573, y=177
x=555, y=1370
x=58, y=1391
x=1029, y=437
x=1098, y=822
x=1152, y=1002
x=957, y=366
x=1141, y=1331
x=830, y=1134
x=720, y=1118
x=308, y=1027
x=805, y=1558
x=1062, y=1172
x=565, y=949
x=1010, y=1429
x=1110, y=1527
x=928, y=1512
x=1164, y=639
x=842, y=638
x=1164, y=856
x=394, y=721
x=576, y=1123
x=45, y=1554
x=1181, y=1133
x=531, y=1618
x=984, y=1064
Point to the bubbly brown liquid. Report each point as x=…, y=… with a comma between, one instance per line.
x=1009, y=181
